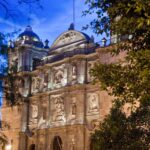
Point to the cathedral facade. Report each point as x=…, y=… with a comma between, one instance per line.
x=61, y=107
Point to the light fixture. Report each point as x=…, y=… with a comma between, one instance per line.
x=8, y=146
x=104, y=40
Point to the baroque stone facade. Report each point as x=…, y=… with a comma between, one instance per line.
x=62, y=105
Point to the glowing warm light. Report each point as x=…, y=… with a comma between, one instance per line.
x=8, y=147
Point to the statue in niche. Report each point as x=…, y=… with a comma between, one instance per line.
x=93, y=103
x=34, y=111
x=74, y=106
x=45, y=80
x=44, y=113
x=59, y=109
x=58, y=77
x=36, y=83
x=73, y=109
x=74, y=72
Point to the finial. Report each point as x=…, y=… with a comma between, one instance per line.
x=71, y=26
x=28, y=28
x=46, y=43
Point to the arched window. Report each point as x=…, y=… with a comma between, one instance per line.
x=57, y=143
x=32, y=147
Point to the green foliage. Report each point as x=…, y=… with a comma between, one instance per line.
x=12, y=87
x=128, y=81
x=125, y=133
x=134, y=14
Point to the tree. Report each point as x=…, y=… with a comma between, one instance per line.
x=128, y=82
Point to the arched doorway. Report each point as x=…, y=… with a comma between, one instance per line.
x=57, y=143
x=32, y=147
x=91, y=145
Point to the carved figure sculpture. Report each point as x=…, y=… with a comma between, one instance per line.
x=59, y=109
x=58, y=76
x=74, y=106
x=93, y=103
x=36, y=83
x=34, y=111
x=74, y=72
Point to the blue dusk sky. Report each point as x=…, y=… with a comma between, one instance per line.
x=48, y=22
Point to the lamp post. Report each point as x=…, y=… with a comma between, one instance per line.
x=8, y=146
x=104, y=40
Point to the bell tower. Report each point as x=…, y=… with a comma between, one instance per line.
x=26, y=51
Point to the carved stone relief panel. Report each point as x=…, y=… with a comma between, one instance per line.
x=90, y=65
x=33, y=113
x=36, y=82
x=68, y=37
x=58, y=113
x=43, y=112
x=92, y=103
x=59, y=76
x=39, y=82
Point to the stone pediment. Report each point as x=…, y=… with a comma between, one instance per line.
x=69, y=37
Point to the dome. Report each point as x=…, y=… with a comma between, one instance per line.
x=28, y=32
x=29, y=37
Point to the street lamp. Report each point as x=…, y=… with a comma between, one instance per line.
x=104, y=40
x=8, y=146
